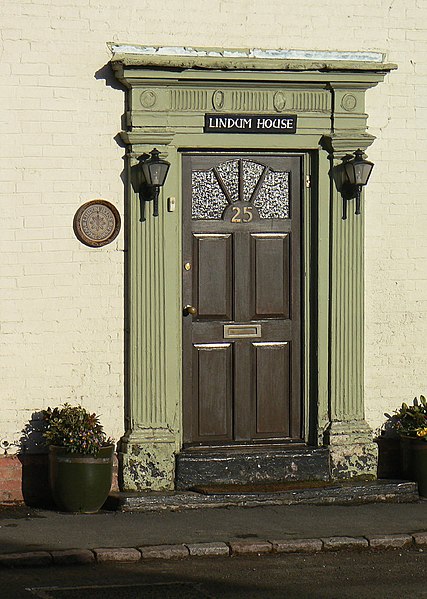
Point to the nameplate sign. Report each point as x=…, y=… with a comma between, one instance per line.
x=250, y=123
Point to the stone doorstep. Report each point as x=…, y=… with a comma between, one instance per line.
x=378, y=491
x=233, y=548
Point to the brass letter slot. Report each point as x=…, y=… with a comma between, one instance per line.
x=240, y=331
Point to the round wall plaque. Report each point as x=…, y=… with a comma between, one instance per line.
x=349, y=102
x=96, y=223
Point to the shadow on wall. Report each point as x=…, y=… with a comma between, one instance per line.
x=34, y=460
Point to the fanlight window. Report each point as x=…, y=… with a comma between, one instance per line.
x=215, y=189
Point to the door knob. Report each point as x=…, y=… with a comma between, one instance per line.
x=189, y=310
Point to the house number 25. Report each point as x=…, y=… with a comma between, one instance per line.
x=242, y=216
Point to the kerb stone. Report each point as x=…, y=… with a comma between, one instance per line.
x=164, y=552
x=117, y=554
x=338, y=543
x=208, y=549
x=420, y=539
x=250, y=547
x=297, y=545
x=29, y=559
x=389, y=541
x=73, y=556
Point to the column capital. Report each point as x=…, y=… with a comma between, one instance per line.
x=342, y=143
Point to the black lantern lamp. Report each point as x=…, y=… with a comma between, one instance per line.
x=357, y=172
x=155, y=171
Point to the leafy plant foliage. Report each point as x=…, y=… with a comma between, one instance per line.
x=411, y=421
x=74, y=428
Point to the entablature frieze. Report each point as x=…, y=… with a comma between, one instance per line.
x=222, y=99
x=175, y=93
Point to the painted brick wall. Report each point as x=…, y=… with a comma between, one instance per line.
x=61, y=336
x=396, y=219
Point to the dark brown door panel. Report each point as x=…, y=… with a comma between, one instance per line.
x=212, y=391
x=241, y=273
x=213, y=284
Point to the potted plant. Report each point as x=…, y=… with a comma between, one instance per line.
x=410, y=423
x=80, y=458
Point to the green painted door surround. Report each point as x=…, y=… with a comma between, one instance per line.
x=166, y=100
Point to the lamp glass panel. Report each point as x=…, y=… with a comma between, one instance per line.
x=362, y=170
x=349, y=171
x=155, y=172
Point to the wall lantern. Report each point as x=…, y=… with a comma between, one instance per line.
x=356, y=174
x=154, y=171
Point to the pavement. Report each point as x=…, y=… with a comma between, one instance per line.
x=45, y=537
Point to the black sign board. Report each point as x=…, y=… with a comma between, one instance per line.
x=250, y=123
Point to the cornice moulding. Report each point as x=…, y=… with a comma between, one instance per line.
x=129, y=55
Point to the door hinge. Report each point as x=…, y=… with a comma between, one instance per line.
x=308, y=181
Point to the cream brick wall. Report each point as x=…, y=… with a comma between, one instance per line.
x=61, y=334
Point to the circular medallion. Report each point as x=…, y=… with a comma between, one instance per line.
x=349, y=102
x=96, y=223
x=218, y=99
x=148, y=98
x=279, y=101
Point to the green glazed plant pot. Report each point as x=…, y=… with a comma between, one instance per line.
x=80, y=482
x=419, y=453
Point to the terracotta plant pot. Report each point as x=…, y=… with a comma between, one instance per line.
x=80, y=482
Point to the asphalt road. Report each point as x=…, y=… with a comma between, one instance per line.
x=396, y=574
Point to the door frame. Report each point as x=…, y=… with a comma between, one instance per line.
x=167, y=99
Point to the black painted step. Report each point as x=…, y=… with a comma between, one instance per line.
x=259, y=465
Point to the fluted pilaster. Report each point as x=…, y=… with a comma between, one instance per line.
x=347, y=316
x=349, y=436
x=151, y=438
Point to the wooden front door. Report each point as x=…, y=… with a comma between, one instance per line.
x=241, y=273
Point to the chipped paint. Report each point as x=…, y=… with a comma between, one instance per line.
x=353, y=453
x=245, y=53
x=147, y=467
